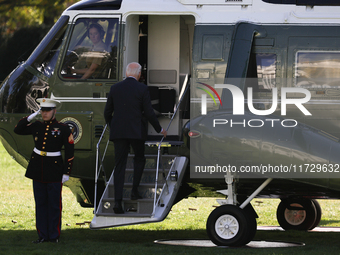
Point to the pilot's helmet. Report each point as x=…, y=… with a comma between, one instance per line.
x=48, y=104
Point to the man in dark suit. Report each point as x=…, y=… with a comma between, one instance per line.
x=127, y=104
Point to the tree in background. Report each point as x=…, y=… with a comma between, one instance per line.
x=27, y=13
x=23, y=24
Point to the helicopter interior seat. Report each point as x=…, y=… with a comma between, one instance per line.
x=111, y=54
x=154, y=96
x=108, y=62
x=163, y=96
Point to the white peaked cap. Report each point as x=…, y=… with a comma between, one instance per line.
x=46, y=102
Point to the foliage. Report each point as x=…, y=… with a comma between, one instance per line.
x=23, y=23
x=13, y=51
x=27, y=13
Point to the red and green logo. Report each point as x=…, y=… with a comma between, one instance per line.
x=209, y=93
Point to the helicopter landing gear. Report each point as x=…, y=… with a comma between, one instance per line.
x=298, y=213
x=230, y=224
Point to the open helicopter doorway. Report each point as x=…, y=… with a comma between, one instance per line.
x=163, y=46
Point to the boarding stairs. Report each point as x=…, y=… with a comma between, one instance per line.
x=144, y=206
x=158, y=189
x=159, y=185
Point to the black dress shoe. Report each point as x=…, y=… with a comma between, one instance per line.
x=40, y=240
x=118, y=209
x=135, y=195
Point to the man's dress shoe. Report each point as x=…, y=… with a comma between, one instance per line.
x=135, y=195
x=40, y=240
x=118, y=209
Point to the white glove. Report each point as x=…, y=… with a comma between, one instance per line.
x=33, y=115
x=65, y=178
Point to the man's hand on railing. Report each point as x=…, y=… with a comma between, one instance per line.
x=164, y=133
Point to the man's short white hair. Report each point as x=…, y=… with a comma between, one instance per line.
x=133, y=69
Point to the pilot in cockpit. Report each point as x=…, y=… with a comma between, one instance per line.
x=95, y=56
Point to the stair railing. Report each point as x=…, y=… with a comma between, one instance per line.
x=100, y=166
x=159, y=154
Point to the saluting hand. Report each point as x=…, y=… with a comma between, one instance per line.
x=33, y=115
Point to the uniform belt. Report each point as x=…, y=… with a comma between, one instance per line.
x=48, y=154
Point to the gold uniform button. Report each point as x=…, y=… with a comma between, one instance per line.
x=45, y=138
x=43, y=147
x=55, y=162
x=45, y=133
x=44, y=142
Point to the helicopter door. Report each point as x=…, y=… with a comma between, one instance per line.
x=163, y=46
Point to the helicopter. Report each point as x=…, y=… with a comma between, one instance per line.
x=248, y=90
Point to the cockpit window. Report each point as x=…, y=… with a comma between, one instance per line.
x=45, y=56
x=317, y=69
x=92, y=51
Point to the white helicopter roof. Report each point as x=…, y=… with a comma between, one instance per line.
x=221, y=11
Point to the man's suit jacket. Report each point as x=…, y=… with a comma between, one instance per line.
x=127, y=103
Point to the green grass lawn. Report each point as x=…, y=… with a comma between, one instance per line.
x=186, y=221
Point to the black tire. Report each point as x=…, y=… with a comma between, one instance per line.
x=227, y=225
x=318, y=214
x=296, y=214
x=252, y=223
x=251, y=218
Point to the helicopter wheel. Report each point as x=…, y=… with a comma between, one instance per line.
x=252, y=223
x=229, y=225
x=296, y=214
x=318, y=214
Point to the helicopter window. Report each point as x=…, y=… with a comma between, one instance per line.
x=47, y=52
x=266, y=70
x=317, y=69
x=261, y=74
x=92, y=51
x=212, y=47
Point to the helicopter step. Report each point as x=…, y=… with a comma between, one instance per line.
x=154, y=206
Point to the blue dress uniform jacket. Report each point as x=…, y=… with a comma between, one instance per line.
x=49, y=136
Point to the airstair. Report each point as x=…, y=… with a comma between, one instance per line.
x=158, y=189
x=159, y=186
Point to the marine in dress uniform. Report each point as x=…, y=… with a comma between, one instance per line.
x=47, y=168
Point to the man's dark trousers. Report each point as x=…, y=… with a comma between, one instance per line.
x=122, y=147
x=48, y=208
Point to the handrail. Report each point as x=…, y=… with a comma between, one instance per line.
x=101, y=168
x=159, y=156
